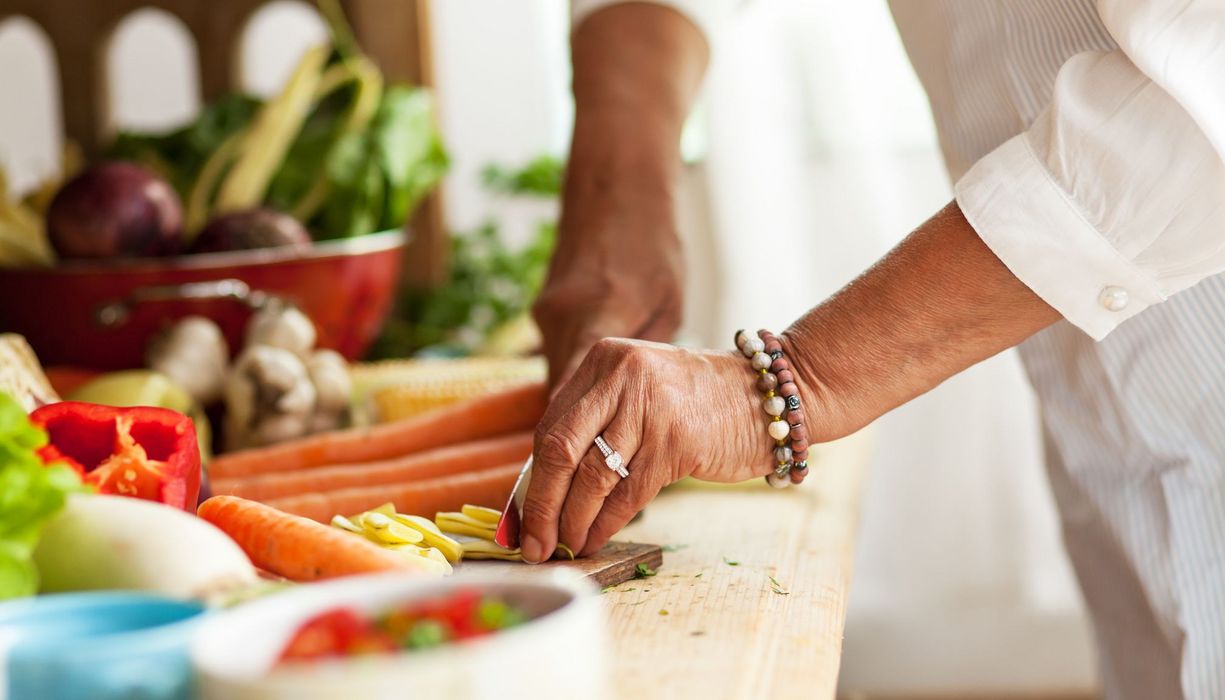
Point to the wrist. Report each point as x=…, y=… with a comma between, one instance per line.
x=622, y=192
x=611, y=153
x=828, y=408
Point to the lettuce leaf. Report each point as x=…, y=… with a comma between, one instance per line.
x=30, y=495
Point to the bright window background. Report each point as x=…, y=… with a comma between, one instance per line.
x=815, y=140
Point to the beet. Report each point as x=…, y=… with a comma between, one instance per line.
x=115, y=210
x=251, y=228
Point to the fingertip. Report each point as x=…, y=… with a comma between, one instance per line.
x=531, y=550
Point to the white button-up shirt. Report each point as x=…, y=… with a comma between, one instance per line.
x=1112, y=196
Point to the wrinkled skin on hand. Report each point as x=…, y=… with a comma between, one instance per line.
x=670, y=412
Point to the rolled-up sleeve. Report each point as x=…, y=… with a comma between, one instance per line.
x=708, y=15
x=1114, y=199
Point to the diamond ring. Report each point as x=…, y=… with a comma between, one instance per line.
x=612, y=458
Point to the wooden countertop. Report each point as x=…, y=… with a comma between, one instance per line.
x=705, y=628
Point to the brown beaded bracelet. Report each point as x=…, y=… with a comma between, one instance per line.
x=781, y=396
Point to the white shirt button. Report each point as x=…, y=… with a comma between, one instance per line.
x=1113, y=298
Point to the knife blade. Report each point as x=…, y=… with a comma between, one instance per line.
x=507, y=532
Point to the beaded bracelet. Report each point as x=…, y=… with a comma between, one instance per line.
x=777, y=384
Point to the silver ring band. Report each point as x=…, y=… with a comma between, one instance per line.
x=612, y=458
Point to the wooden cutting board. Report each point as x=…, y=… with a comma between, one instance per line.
x=614, y=564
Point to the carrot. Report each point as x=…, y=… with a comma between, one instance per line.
x=489, y=487
x=294, y=547
x=487, y=416
x=442, y=461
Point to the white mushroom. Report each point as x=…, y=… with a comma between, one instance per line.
x=281, y=325
x=193, y=354
x=269, y=397
x=330, y=374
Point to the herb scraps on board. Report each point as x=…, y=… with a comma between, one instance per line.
x=778, y=587
x=674, y=547
x=643, y=571
x=730, y=562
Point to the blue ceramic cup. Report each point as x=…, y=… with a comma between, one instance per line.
x=96, y=646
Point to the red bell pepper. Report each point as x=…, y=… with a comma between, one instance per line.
x=141, y=451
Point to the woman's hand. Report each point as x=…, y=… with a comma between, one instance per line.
x=669, y=411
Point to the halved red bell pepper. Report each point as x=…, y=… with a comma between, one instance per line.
x=141, y=451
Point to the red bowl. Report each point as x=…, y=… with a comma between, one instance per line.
x=103, y=315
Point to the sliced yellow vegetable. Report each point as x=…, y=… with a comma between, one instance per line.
x=402, y=533
x=436, y=561
x=375, y=521
x=418, y=522
x=459, y=527
x=464, y=524
x=463, y=519
x=433, y=553
x=433, y=536
x=385, y=530
x=484, y=549
x=387, y=509
x=343, y=523
x=483, y=514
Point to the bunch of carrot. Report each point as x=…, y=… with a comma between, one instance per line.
x=466, y=453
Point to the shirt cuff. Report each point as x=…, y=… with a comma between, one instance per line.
x=1037, y=231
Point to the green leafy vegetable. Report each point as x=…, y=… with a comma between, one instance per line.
x=542, y=177
x=343, y=177
x=378, y=176
x=410, y=150
x=643, y=571
x=729, y=562
x=179, y=155
x=313, y=149
x=30, y=495
x=489, y=285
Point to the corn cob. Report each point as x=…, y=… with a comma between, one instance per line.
x=398, y=389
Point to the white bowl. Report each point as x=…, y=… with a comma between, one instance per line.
x=559, y=653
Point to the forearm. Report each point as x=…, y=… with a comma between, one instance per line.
x=940, y=302
x=617, y=270
x=637, y=68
